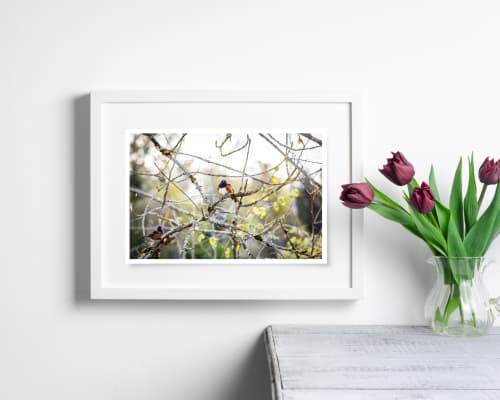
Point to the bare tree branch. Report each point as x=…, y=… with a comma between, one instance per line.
x=226, y=139
x=171, y=155
x=159, y=200
x=288, y=158
x=313, y=138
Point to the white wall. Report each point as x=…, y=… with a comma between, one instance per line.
x=430, y=75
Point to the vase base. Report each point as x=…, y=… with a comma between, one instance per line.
x=463, y=330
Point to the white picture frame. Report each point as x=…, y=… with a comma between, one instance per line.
x=113, y=113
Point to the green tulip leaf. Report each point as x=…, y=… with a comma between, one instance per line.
x=430, y=233
x=456, y=203
x=471, y=208
x=384, y=198
x=391, y=213
x=433, y=184
x=486, y=229
x=436, y=250
x=456, y=246
x=497, y=224
x=442, y=214
x=401, y=217
x=464, y=269
x=452, y=305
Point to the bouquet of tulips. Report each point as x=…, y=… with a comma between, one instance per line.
x=459, y=229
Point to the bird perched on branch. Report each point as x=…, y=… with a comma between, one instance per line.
x=155, y=246
x=156, y=234
x=225, y=188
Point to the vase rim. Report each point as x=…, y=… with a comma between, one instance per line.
x=486, y=260
x=458, y=257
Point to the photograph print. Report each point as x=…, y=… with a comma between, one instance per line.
x=227, y=196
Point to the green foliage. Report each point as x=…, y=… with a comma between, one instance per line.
x=471, y=208
x=442, y=214
x=456, y=246
x=391, y=213
x=456, y=203
x=433, y=184
x=385, y=199
x=457, y=231
x=482, y=234
x=429, y=232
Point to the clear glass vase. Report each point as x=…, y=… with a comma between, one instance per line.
x=459, y=303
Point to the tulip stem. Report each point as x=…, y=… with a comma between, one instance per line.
x=383, y=203
x=434, y=220
x=481, y=196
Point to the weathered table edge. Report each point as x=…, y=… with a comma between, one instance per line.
x=273, y=364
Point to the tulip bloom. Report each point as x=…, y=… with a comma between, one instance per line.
x=489, y=172
x=398, y=170
x=422, y=199
x=357, y=195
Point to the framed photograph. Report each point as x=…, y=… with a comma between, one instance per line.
x=224, y=195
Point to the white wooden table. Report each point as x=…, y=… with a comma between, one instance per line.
x=310, y=362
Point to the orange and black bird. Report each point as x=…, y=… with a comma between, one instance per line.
x=156, y=234
x=225, y=188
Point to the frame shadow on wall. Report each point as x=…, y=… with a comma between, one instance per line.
x=81, y=193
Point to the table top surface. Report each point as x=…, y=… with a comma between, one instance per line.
x=309, y=362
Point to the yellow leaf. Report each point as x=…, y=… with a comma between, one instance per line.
x=282, y=201
x=256, y=210
x=201, y=238
x=275, y=180
x=276, y=207
x=227, y=253
x=266, y=198
x=213, y=241
x=296, y=192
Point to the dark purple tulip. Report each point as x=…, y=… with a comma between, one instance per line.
x=489, y=172
x=398, y=170
x=357, y=195
x=422, y=199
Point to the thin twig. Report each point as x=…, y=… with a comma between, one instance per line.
x=249, y=143
x=288, y=158
x=186, y=243
x=160, y=200
x=226, y=167
x=171, y=155
x=169, y=181
x=228, y=138
x=313, y=138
